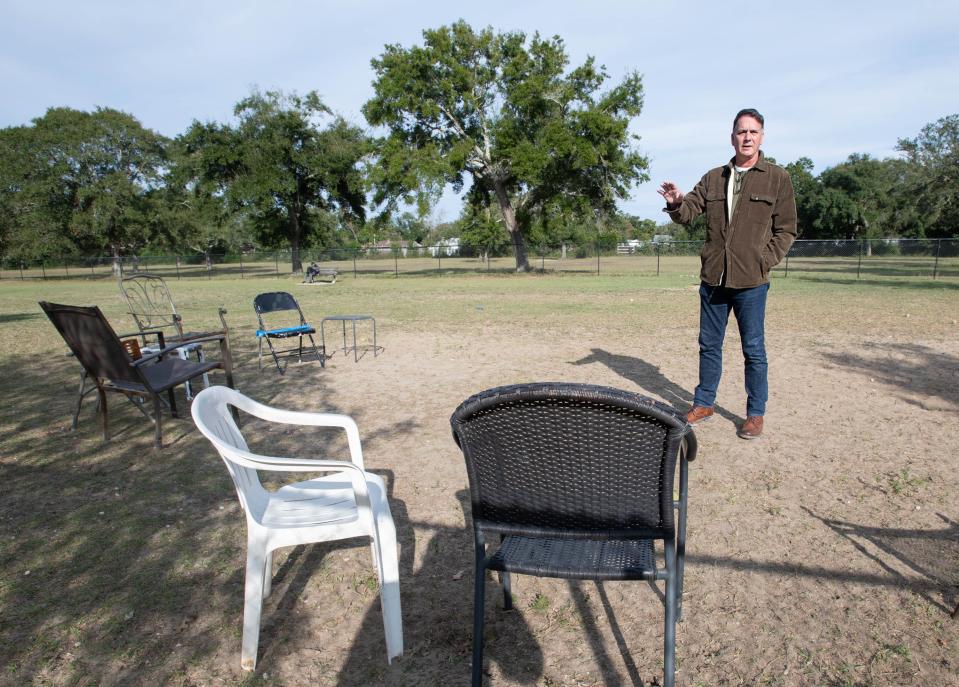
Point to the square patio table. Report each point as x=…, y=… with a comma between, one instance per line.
x=352, y=319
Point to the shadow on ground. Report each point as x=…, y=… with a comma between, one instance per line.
x=933, y=555
x=649, y=378
x=914, y=368
x=119, y=563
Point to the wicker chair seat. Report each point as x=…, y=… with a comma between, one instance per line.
x=576, y=559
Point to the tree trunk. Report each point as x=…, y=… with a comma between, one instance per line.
x=512, y=226
x=295, y=264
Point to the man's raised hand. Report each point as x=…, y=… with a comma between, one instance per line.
x=671, y=193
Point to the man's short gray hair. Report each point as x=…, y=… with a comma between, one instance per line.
x=749, y=112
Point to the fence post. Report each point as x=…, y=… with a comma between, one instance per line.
x=597, y=257
x=439, y=259
x=354, y=264
x=21, y=271
x=859, y=266
x=66, y=267
x=787, y=262
x=935, y=266
x=656, y=246
x=43, y=270
x=176, y=259
x=276, y=263
x=542, y=258
x=241, y=265
x=396, y=264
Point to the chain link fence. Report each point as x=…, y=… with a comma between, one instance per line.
x=845, y=260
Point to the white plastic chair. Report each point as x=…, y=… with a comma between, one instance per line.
x=346, y=502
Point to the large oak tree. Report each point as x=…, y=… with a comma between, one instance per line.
x=505, y=114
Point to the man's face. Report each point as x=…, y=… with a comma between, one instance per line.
x=747, y=137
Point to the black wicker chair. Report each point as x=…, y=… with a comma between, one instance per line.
x=577, y=482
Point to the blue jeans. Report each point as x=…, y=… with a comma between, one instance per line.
x=749, y=305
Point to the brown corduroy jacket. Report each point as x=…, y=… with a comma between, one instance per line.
x=762, y=228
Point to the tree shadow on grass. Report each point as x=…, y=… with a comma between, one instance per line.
x=119, y=563
x=18, y=317
x=924, y=372
x=649, y=377
x=903, y=282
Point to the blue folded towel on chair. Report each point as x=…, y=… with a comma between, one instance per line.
x=284, y=330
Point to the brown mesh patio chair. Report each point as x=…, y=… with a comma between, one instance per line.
x=575, y=481
x=113, y=366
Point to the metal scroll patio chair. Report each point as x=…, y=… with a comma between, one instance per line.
x=115, y=365
x=152, y=307
x=343, y=503
x=576, y=481
x=280, y=317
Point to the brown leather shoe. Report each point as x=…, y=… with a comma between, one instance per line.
x=752, y=428
x=698, y=414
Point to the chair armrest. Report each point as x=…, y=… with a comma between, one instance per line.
x=172, y=347
x=211, y=336
x=276, y=464
x=689, y=446
x=144, y=333
x=293, y=417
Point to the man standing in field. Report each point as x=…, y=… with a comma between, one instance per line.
x=750, y=224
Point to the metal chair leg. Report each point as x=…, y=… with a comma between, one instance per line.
x=669, y=631
x=479, y=603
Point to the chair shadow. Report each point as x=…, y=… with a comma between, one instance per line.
x=926, y=552
x=648, y=377
x=599, y=650
x=438, y=615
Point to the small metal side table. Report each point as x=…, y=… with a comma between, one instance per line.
x=352, y=319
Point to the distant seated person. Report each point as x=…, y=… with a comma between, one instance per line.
x=314, y=271
x=311, y=272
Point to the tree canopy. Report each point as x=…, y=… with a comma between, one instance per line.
x=932, y=178
x=279, y=166
x=79, y=181
x=504, y=114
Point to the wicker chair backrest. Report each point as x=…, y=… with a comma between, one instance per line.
x=570, y=460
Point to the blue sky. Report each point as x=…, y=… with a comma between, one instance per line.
x=832, y=78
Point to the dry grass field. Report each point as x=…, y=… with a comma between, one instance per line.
x=826, y=553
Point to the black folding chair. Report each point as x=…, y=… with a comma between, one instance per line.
x=280, y=317
x=577, y=482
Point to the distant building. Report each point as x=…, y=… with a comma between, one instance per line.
x=404, y=247
x=449, y=246
x=662, y=238
x=629, y=246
